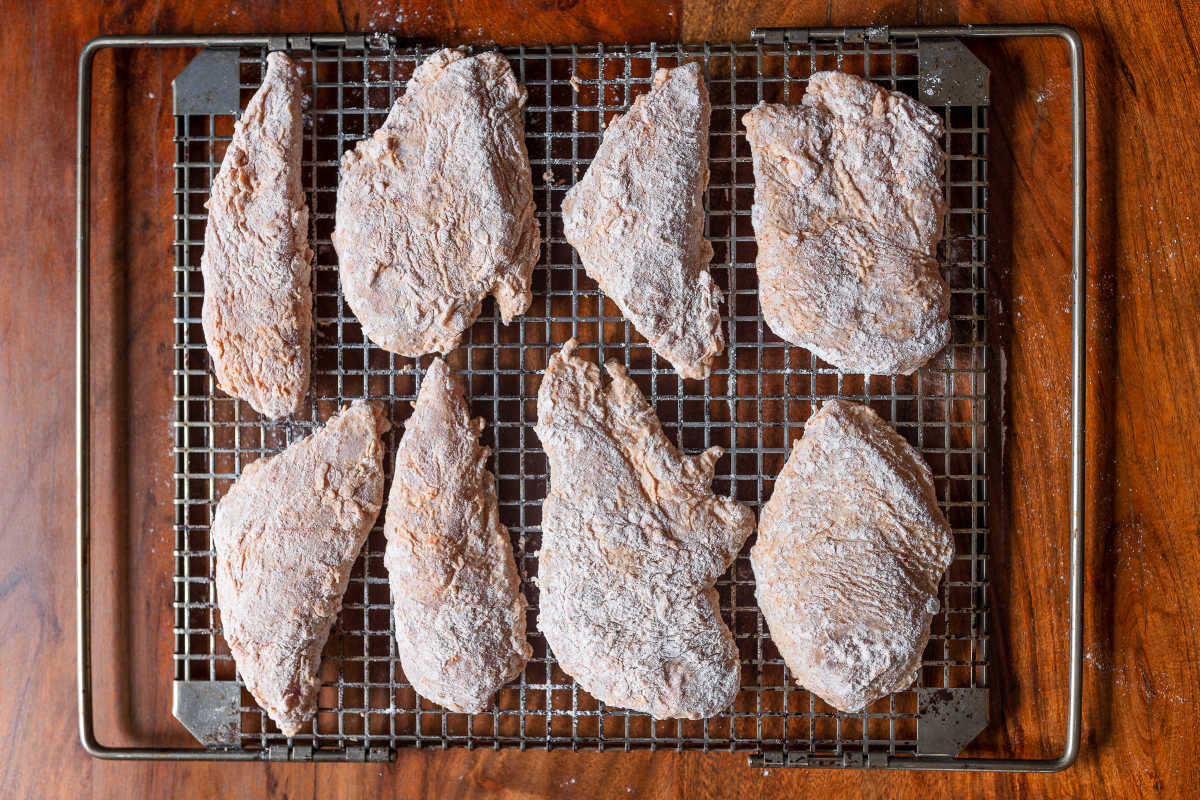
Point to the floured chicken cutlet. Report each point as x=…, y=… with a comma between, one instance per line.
x=848, y=213
x=633, y=540
x=459, y=610
x=435, y=211
x=257, y=311
x=637, y=220
x=851, y=548
x=286, y=536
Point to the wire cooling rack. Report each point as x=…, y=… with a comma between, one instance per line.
x=754, y=404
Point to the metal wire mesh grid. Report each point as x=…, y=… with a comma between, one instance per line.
x=753, y=405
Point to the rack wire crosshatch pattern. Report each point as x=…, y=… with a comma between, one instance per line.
x=754, y=404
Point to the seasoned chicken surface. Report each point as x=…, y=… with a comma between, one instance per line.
x=286, y=536
x=435, y=210
x=460, y=614
x=848, y=212
x=257, y=311
x=851, y=548
x=637, y=220
x=633, y=540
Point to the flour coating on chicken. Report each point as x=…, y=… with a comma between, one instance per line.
x=851, y=548
x=286, y=536
x=637, y=220
x=633, y=540
x=456, y=594
x=257, y=311
x=435, y=210
x=848, y=208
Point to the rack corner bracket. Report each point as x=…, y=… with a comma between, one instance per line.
x=951, y=74
x=949, y=719
x=208, y=84
x=210, y=710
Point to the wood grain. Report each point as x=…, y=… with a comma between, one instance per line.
x=1142, y=677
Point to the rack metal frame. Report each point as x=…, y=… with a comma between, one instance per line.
x=779, y=725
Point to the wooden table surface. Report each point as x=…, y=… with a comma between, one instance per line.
x=1141, y=671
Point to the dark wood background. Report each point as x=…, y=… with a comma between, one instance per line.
x=1141, y=682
